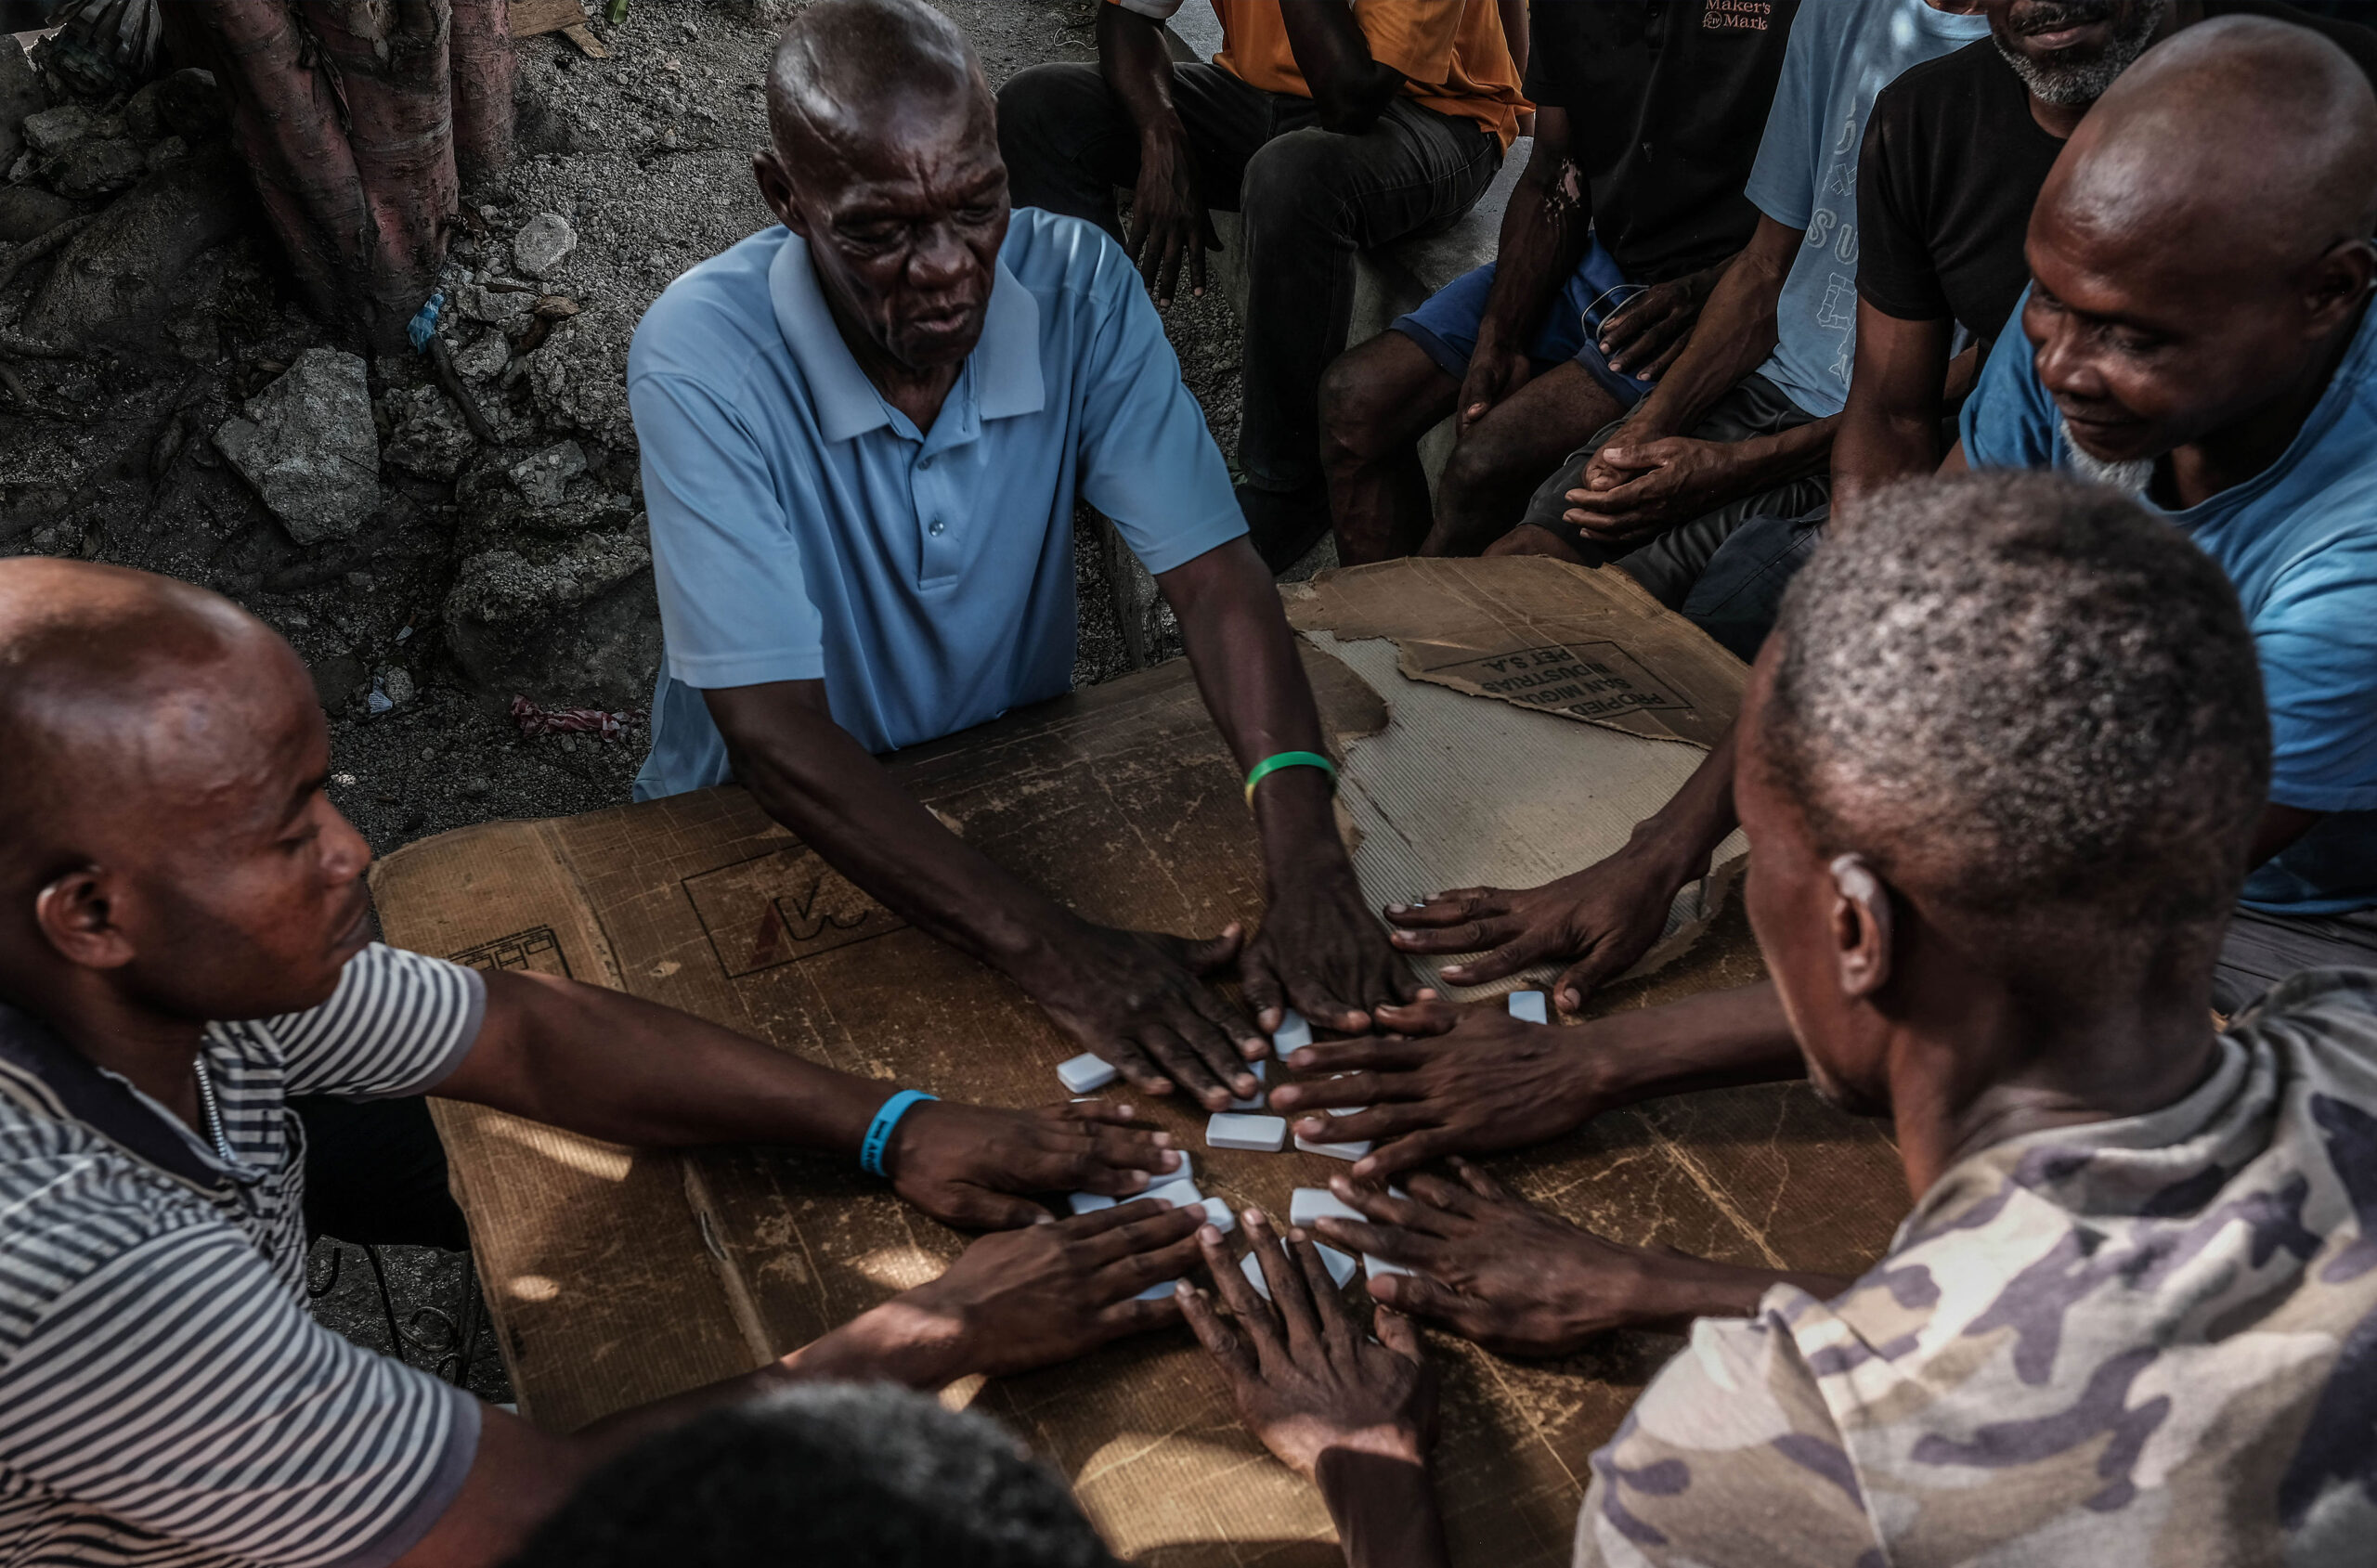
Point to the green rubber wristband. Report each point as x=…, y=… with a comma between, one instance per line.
x=1271, y=765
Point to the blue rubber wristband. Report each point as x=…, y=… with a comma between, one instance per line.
x=878, y=1131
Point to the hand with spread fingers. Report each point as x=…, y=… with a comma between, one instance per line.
x=1452, y=1080
x=1598, y=921
x=1322, y=952
x=1140, y=1001
x=1304, y=1377
x=968, y=1165
x=1022, y=1298
x=1496, y=1270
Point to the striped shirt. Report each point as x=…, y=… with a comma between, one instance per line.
x=165, y=1398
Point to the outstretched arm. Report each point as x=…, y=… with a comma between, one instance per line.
x=1014, y=1301
x=1320, y=950
x=1133, y=998
x=613, y=1066
x=1599, y=921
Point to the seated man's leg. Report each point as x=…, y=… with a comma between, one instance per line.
x=1068, y=142
x=1311, y=200
x=1740, y=591
x=375, y=1174
x=1376, y=402
x=2261, y=949
x=1501, y=462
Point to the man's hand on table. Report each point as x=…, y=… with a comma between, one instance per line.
x=966, y=1165
x=1141, y=1000
x=1452, y=1080
x=1522, y=1282
x=1304, y=1376
x=1017, y=1300
x=1323, y=952
x=1599, y=921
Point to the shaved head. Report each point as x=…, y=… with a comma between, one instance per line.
x=846, y=70
x=2200, y=254
x=162, y=782
x=2257, y=132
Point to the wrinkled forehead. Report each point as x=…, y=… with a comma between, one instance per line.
x=922, y=136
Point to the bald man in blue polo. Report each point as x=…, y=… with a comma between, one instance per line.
x=864, y=435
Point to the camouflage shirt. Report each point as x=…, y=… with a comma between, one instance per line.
x=2144, y=1342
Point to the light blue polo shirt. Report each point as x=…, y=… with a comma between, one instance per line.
x=804, y=529
x=1841, y=54
x=2299, y=541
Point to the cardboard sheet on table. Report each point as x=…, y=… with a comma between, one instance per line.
x=1583, y=642
x=616, y=1275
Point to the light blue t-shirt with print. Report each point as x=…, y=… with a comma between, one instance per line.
x=1841, y=55
x=804, y=529
x=2299, y=541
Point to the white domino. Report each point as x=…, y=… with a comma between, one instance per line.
x=1346, y=1110
x=1265, y=1132
x=1086, y=1073
x=1294, y=1033
x=1178, y=1193
x=1335, y=1151
x=1186, y=1171
x=1340, y=1266
x=1527, y=1006
x=1090, y=1202
x=1218, y=1215
x=1373, y=1267
x=1157, y=1291
x=1309, y=1203
x=1255, y=1102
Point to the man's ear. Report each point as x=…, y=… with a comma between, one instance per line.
x=2339, y=281
x=1861, y=928
x=77, y=914
x=775, y=190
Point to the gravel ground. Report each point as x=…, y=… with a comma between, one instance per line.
x=647, y=156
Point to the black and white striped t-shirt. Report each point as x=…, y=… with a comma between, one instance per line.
x=165, y=1399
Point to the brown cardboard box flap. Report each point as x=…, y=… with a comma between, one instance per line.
x=1583, y=642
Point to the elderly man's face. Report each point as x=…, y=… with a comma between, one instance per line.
x=903, y=222
x=2150, y=338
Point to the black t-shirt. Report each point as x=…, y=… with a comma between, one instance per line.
x=1666, y=102
x=1952, y=164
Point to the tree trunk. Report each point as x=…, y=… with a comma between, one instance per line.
x=346, y=112
x=485, y=70
x=287, y=121
x=390, y=57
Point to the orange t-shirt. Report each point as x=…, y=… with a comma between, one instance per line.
x=1451, y=53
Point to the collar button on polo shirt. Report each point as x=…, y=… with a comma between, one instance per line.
x=804, y=529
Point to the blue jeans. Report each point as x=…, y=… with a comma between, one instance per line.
x=1445, y=324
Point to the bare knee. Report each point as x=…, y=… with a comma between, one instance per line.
x=1529, y=539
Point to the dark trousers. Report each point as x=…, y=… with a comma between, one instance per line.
x=2261, y=949
x=1310, y=199
x=375, y=1174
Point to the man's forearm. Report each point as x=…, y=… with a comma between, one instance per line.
x=1682, y=834
x=1385, y=1508
x=820, y=784
x=1735, y=333
x=1545, y=230
x=1138, y=69
x=1764, y=462
x=1253, y=684
x=614, y=1067
x=1717, y=1040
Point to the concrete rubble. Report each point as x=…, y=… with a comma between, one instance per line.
x=309, y=446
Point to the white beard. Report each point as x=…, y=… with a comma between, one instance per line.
x=2130, y=478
